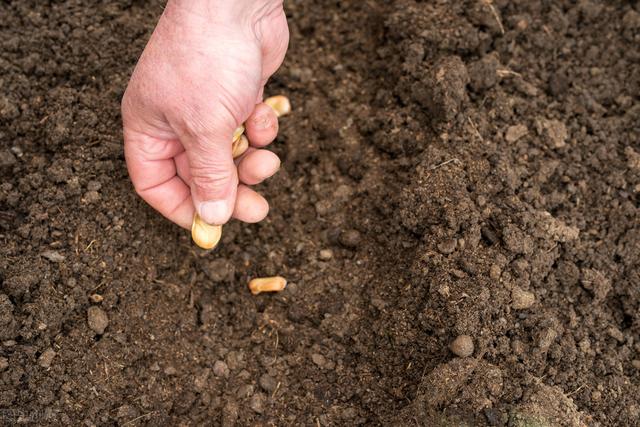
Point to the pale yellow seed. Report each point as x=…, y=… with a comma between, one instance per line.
x=237, y=134
x=267, y=284
x=240, y=146
x=280, y=104
x=204, y=235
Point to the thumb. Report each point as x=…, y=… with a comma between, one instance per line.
x=214, y=177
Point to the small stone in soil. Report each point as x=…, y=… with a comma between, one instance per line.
x=245, y=391
x=319, y=359
x=46, y=358
x=91, y=197
x=553, y=131
x=516, y=132
x=257, y=402
x=126, y=412
x=97, y=319
x=230, y=413
x=462, y=346
x=546, y=338
x=350, y=239
x=220, y=369
x=4, y=363
x=447, y=247
x=7, y=158
x=53, y=256
x=616, y=334
x=268, y=383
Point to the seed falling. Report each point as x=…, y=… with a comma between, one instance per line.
x=205, y=235
x=280, y=104
x=267, y=284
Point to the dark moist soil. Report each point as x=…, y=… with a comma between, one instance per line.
x=450, y=168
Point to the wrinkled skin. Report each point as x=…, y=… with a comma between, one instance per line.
x=201, y=75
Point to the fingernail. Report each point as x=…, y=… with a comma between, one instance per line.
x=214, y=212
x=262, y=122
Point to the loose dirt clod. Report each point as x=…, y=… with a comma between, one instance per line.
x=97, y=319
x=46, y=358
x=521, y=299
x=462, y=346
x=267, y=284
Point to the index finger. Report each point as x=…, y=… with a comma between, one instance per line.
x=151, y=166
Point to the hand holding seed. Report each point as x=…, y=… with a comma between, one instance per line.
x=205, y=235
x=200, y=77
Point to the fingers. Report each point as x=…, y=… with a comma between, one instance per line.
x=153, y=173
x=257, y=165
x=262, y=126
x=250, y=206
x=214, y=178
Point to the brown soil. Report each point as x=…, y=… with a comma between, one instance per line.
x=473, y=167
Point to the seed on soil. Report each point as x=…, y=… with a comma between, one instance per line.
x=350, y=238
x=280, y=104
x=267, y=284
x=4, y=363
x=239, y=147
x=205, y=235
x=97, y=319
x=325, y=254
x=462, y=346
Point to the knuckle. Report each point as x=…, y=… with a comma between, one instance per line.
x=211, y=179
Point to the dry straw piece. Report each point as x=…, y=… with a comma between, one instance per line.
x=204, y=235
x=267, y=284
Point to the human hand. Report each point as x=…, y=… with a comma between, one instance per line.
x=201, y=75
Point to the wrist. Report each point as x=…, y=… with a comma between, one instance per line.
x=224, y=12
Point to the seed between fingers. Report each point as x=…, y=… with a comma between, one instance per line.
x=280, y=104
x=239, y=146
x=205, y=235
x=208, y=236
